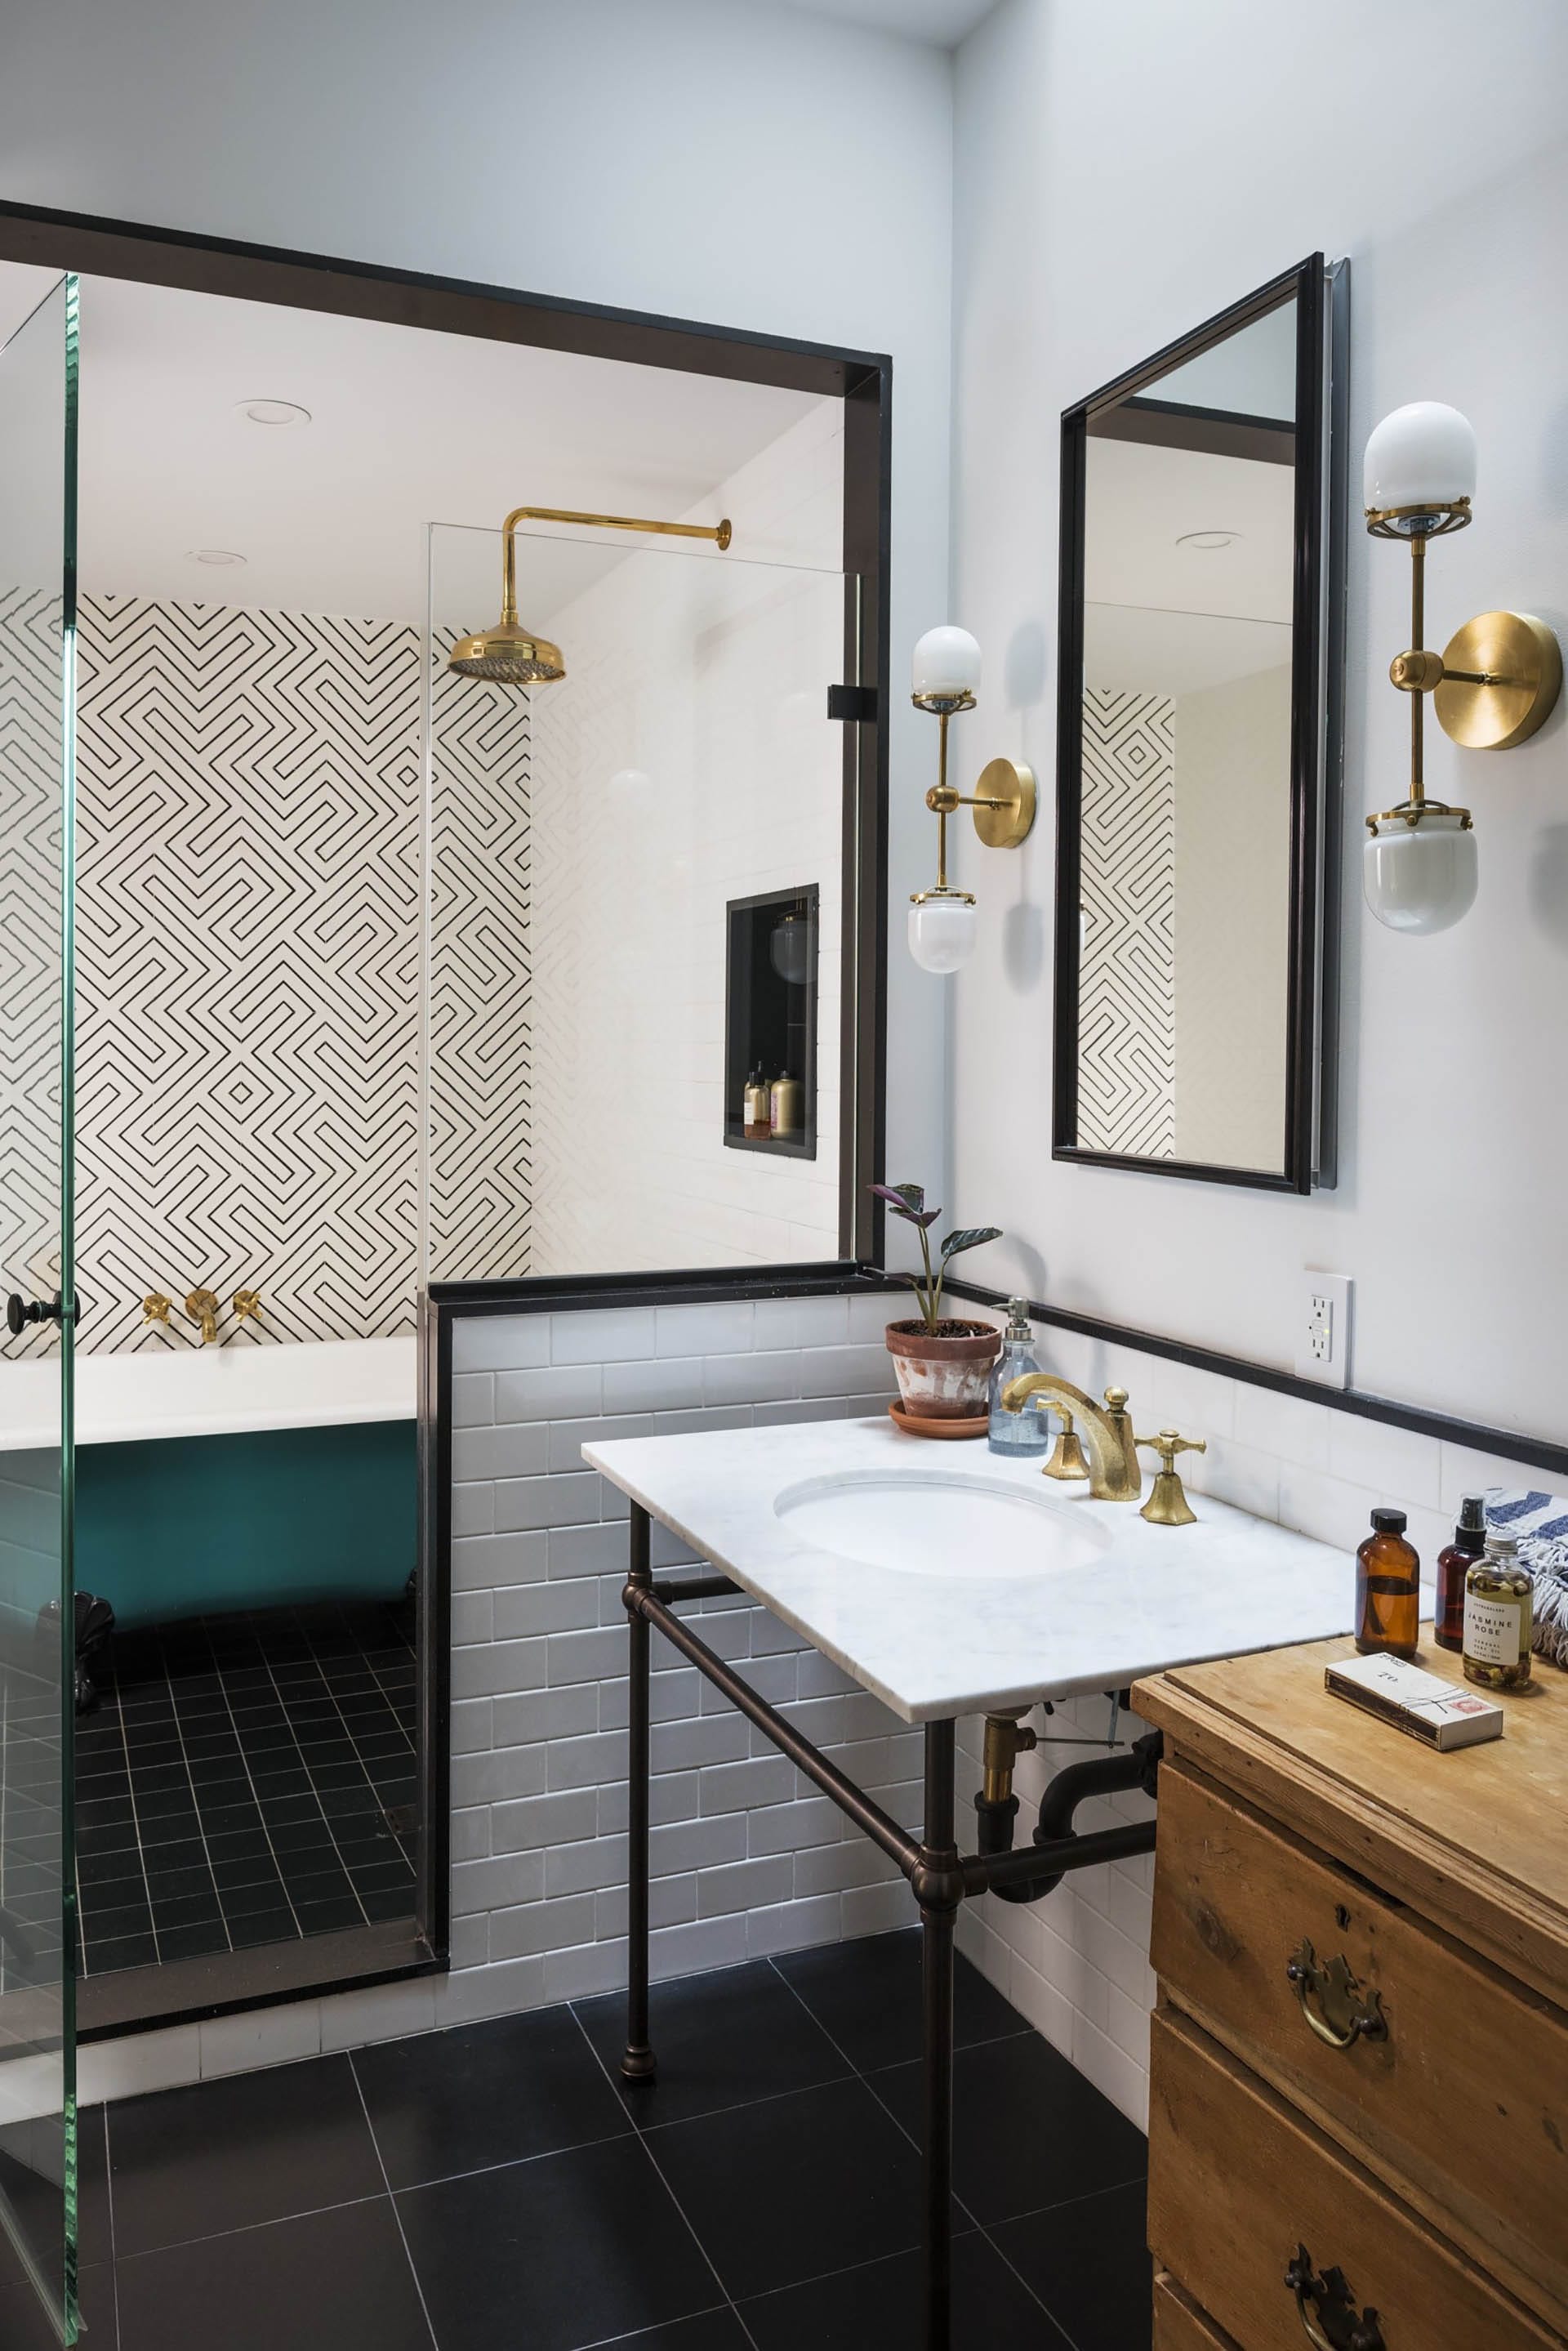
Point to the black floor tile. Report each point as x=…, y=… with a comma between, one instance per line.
x=226, y=2155
x=25, y=2326
x=794, y=2187
x=721, y=2040
x=1088, y=2264
x=32, y=2162
x=867, y=1994
x=130, y=1951
x=1028, y=2129
x=334, y=2281
x=881, y=2307
x=444, y=2103
x=715, y=2330
x=561, y=2251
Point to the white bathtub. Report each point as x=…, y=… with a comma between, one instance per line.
x=212, y=1391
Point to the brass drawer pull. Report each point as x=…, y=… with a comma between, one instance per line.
x=1342, y=2016
x=1336, y=2324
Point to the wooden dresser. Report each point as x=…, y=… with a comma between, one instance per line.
x=1360, y=2051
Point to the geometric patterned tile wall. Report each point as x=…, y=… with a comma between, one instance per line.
x=1127, y=1016
x=29, y=941
x=248, y=966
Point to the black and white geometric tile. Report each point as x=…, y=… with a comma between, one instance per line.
x=1126, y=1006
x=249, y=869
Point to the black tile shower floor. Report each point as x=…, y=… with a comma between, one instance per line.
x=494, y=2184
x=240, y=1783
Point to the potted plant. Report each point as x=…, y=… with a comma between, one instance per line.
x=943, y=1361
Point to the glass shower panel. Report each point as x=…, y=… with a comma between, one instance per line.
x=37, y=621
x=593, y=841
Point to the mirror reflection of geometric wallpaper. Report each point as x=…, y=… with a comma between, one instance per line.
x=248, y=968
x=1126, y=971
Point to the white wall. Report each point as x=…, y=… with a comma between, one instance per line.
x=686, y=759
x=757, y=168
x=1121, y=174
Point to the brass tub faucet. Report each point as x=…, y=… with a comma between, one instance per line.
x=1116, y=1474
x=201, y=1306
x=155, y=1307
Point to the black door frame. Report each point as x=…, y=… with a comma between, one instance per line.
x=194, y=263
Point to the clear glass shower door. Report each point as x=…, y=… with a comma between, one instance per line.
x=636, y=874
x=37, y=1905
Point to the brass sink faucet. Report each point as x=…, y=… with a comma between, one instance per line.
x=1116, y=1474
x=201, y=1306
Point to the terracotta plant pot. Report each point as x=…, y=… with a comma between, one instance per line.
x=943, y=1374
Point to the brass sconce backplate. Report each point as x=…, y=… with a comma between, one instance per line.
x=1503, y=673
x=1007, y=794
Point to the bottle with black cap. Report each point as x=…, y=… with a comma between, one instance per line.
x=1453, y=1565
x=1387, y=1589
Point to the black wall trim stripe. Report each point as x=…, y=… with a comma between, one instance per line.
x=1534, y=1452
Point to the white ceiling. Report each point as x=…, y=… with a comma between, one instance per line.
x=1169, y=619
x=407, y=428
x=944, y=22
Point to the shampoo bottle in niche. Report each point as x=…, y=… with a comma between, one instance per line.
x=1500, y=1608
x=1387, y=1589
x=756, y=1116
x=1453, y=1566
x=1029, y=1431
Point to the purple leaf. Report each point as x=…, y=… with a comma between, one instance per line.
x=971, y=1238
x=904, y=1199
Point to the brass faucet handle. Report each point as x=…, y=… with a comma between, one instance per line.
x=155, y=1307
x=1169, y=1443
x=1167, y=1505
x=1068, y=1459
x=201, y=1306
x=247, y=1305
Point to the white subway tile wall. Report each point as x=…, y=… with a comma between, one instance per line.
x=747, y=1858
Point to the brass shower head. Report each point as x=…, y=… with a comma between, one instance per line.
x=509, y=654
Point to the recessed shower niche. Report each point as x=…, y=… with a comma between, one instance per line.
x=770, y=1022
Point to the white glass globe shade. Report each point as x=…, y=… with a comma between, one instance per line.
x=943, y=932
x=1421, y=877
x=947, y=663
x=1423, y=457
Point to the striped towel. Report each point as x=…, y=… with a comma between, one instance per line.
x=1539, y=1524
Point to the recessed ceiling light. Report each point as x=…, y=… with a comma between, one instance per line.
x=1207, y=541
x=214, y=555
x=273, y=412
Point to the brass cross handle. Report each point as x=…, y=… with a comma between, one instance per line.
x=155, y=1307
x=247, y=1305
x=1167, y=1505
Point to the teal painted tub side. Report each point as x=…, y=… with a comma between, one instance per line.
x=186, y=1526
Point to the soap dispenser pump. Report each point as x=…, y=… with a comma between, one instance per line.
x=1020, y=1434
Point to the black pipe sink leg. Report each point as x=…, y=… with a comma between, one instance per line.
x=639, y=2064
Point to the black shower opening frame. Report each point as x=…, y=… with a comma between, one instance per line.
x=93, y=247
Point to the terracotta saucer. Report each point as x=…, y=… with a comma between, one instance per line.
x=915, y=1424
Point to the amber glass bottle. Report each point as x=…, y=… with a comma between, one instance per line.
x=1453, y=1566
x=1387, y=1589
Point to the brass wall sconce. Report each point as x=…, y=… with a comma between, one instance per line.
x=942, y=922
x=510, y=654
x=1494, y=683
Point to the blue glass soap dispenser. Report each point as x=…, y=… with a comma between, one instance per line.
x=1029, y=1431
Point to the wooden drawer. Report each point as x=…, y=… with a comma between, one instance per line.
x=1237, y=2182
x=1462, y=2107
x=1180, y=2325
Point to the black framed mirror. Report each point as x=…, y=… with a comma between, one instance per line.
x=1199, y=745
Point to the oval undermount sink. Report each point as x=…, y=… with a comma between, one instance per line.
x=938, y=1522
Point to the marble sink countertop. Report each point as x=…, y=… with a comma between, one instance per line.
x=929, y=1645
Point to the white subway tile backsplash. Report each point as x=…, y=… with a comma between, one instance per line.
x=751, y=1379
x=573, y=1394
x=1399, y=1463
x=506, y=1343
x=666, y=1384
x=725, y=1328
x=617, y=1334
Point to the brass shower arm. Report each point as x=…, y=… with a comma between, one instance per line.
x=719, y=532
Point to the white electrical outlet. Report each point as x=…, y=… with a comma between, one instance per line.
x=1322, y=1329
